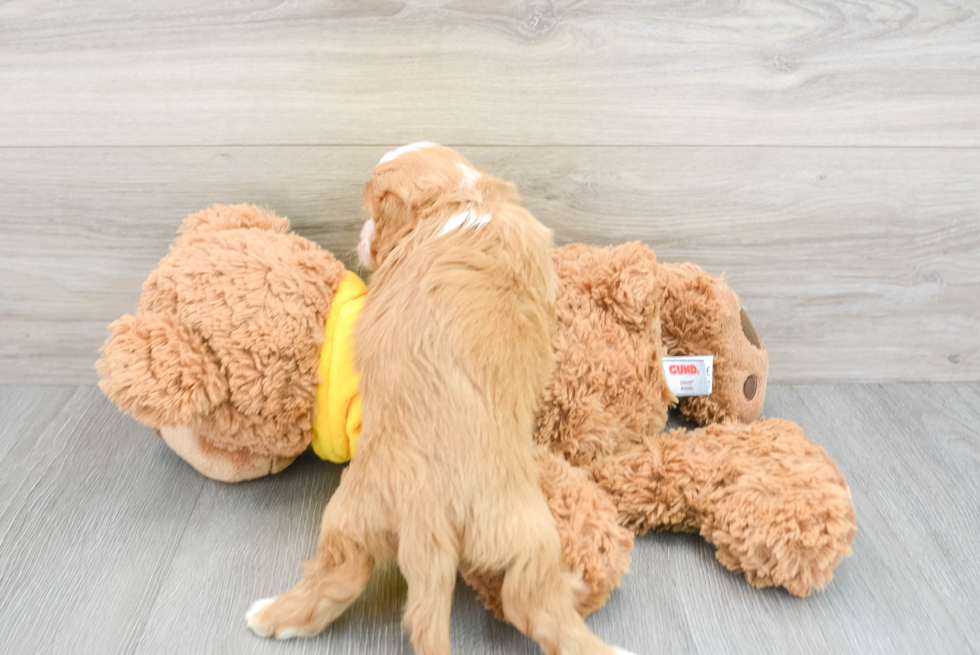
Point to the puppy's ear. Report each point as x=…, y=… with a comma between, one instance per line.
x=393, y=220
x=391, y=212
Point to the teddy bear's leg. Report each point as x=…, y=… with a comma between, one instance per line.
x=771, y=501
x=701, y=315
x=595, y=549
x=218, y=464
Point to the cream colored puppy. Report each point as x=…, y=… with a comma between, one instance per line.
x=453, y=346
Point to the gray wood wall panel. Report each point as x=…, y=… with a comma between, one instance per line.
x=110, y=544
x=515, y=72
x=858, y=263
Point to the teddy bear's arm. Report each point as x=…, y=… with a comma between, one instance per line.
x=771, y=501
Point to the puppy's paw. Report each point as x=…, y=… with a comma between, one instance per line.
x=263, y=623
x=620, y=651
x=258, y=623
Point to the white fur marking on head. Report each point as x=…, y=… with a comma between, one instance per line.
x=364, y=244
x=468, y=218
x=477, y=221
x=456, y=221
x=470, y=175
x=411, y=147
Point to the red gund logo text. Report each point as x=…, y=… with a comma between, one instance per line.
x=683, y=369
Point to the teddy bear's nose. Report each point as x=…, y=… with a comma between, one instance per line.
x=750, y=387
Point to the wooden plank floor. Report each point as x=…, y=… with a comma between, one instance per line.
x=110, y=544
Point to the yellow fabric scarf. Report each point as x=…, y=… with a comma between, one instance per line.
x=337, y=423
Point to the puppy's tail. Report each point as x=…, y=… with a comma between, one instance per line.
x=158, y=372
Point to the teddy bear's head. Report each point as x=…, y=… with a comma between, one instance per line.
x=701, y=315
x=221, y=355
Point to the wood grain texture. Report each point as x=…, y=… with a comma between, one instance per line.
x=88, y=522
x=25, y=409
x=535, y=72
x=908, y=452
x=109, y=543
x=909, y=584
x=854, y=264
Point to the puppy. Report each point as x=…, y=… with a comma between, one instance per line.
x=453, y=346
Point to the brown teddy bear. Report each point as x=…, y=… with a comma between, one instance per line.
x=239, y=357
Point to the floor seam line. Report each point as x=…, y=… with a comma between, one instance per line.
x=138, y=638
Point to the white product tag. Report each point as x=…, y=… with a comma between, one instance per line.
x=689, y=376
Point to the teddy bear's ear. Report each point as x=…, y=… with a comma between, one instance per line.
x=231, y=217
x=627, y=285
x=158, y=372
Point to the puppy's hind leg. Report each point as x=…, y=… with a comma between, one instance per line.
x=334, y=578
x=429, y=561
x=536, y=596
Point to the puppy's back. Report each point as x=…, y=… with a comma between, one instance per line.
x=454, y=341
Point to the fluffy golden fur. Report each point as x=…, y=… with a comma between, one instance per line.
x=453, y=346
x=595, y=549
